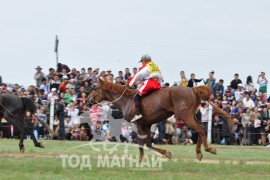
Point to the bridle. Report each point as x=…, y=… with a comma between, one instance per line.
x=101, y=91
x=93, y=97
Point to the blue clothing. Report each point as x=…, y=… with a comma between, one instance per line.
x=216, y=88
x=43, y=117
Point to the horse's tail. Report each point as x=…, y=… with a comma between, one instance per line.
x=28, y=105
x=202, y=93
x=47, y=127
x=223, y=114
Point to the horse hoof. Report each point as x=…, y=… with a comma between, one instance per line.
x=199, y=156
x=168, y=155
x=22, y=150
x=212, y=150
x=41, y=146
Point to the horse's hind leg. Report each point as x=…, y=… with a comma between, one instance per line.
x=164, y=152
x=202, y=139
x=22, y=149
x=37, y=144
x=198, y=148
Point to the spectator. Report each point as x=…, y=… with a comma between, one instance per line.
x=127, y=74
x=238, y=91
x=216, y=129
x=71, y=84
x=253, y=94
x=75, y=132
x=83, y=134
x=67, y=96
x=83, y=74
x=118, y=80
x=61, y=66
x=53, y=94
x=63, y=85
x=182, y=79
x=247, y=101
x=95, y=114
x=68, y=127
x=135, y=70
x=94, y=77
x=55, y=83
x=210, y=82
x=262, y=81
x=39, y=75
x=51, y=74
x=249, y=84
x=106, y=130
x=42, y=116
x=74, y=114
x=264, y=118
x=89, y=73
x=61, y=117
x=169, y=128
x=193, y=82
x=229, y=96
x=246, y=123
x=44, y=86
x=218, y=87
x=185, y=136
x=204, y=114
x=235, y=82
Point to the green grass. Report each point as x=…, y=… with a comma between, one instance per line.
x=46, y=163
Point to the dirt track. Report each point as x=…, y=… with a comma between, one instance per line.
x=207, y=161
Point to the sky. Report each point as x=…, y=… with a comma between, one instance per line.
x=194, y=36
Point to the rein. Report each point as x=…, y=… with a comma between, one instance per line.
x=11, y=115
x=120, y=96
x=7, y=110
x=113, y=100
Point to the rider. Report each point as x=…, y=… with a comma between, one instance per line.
x=151, y=75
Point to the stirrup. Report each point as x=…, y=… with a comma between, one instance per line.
x=136, y=117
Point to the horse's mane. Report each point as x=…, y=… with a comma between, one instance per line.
x=117, y=88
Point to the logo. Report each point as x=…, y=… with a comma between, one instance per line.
x=111, y=155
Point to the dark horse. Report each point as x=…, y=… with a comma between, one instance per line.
x=157, y=107
x=13, y=109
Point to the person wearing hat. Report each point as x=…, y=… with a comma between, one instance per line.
x=239, y=91
x=152, y=78
x=63, y=85
x=39, y=75
x=109, y=71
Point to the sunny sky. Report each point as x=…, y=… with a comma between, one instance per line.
x=194, y=36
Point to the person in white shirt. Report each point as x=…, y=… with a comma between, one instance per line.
x=74, y=114
x=204, y=112
x=238, y=91
x=247, y=101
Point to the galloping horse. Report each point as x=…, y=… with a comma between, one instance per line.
x=157, y=107
x=13, y=109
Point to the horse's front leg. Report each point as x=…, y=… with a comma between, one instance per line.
x=148, y=142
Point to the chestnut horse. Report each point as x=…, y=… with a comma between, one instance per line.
x=157, y=107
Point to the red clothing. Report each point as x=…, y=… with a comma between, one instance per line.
x=62, y=87
x=151, y=76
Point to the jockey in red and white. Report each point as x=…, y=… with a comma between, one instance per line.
x=151, y=76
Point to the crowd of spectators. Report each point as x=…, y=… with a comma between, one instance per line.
x=70, y=87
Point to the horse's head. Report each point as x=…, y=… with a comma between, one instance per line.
x=97, y=95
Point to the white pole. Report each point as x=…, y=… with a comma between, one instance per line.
x=52, y=113
x=209, y=128
x=12, y=131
